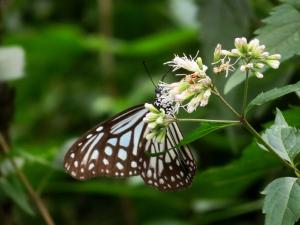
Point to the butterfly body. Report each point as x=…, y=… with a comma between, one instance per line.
x=117, y=148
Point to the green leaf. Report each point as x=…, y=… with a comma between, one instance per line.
x=202, y=130
x=232, y=179
x=13, y=189
x=273, y=94
x=281, y=34
x=11, y=63
x=284, y=139
x=281, y=204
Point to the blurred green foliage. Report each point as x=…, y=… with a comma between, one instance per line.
x=68, y=88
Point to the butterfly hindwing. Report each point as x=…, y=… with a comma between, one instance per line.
x=112, y=148
x=170, y=171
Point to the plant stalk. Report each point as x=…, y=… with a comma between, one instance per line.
x=225, y=102
x=248, y=126
x=245, y=98
x=34, y=196
x=234, y=122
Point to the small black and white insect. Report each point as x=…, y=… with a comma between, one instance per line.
x=117, y=147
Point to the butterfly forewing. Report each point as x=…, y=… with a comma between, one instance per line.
x=174, y=169
x=111, y=148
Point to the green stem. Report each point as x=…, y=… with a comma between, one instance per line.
x=237, y=122
x=245, y=98
x=247, y=125
x=225, y=102
x=34, y=196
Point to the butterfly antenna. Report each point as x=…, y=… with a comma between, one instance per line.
x=148, y=73
x=164, y=76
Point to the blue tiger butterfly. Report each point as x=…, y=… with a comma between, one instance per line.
x=118, y=147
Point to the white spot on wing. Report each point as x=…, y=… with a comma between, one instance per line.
x=130, y=121
x=108, y=150
x=125, y=139
x=122, y=154
x=167, y=158
x=120, y=166
x=133, y=164
x=105, y=161
x=99, y=128
x=149, y=173
x=112, y=141
x=91, y=166
x=95, y=154
x=137, y=137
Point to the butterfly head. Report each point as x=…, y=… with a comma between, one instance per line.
x=162, y=103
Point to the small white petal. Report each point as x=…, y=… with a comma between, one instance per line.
x=274, y=57
x=254, y=44
x=243, y=68
x=259, y=75
x=259, y=65
x=273, y=63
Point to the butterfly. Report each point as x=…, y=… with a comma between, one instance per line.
x=118, y=148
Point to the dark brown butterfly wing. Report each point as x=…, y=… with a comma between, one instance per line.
x=117, y=148
x=112, y=148
x=170, y=171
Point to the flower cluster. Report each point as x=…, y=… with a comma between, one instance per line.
x=194, y=65
x=252, y=56
x=191, y=91
x=195, y=88
x=157, y=121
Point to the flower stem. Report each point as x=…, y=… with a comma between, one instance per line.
x=245, y=98
x=233, y=122
x=259, y=138
x=225, y=102
x=34, y=196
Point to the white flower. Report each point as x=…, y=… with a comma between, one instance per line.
x=234, y=51
x=273, y=63
x=274, y=57
x=199, y=100
x=188, y=63
x=253, y=44
x=240, y=43
x=193, y=104
x=158, y=122
x=217, y=53
x=189, y=93
x=258, y=74
x=248, y=66
x=250, y=56
x=265, y=54
x=259, y=65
